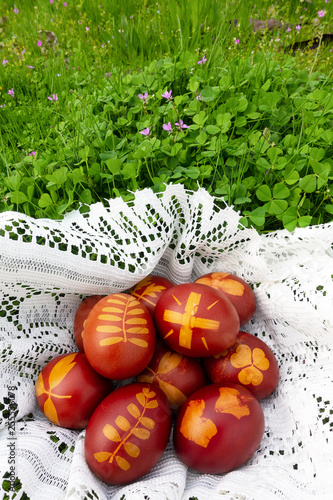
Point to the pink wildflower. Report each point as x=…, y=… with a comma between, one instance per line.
x=167, y=127
x=145, y=131
x=53, y=98
x=181, y=124
x=143, y=97
x=39, y=43
x=202, y=61
x=321, y=13
x=167, y=94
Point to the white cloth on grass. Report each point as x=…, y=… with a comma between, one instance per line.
x=47, y=267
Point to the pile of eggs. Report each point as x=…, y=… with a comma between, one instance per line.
x=183, y=366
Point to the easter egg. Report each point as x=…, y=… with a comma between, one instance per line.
x=236, y=289
x=128, y=433
x=177, y=375
x=80, y=317
x=68, y=390
x=218, y=429
x=249, y=362
x=149, y=290
x=196, y=320
x=119, y=336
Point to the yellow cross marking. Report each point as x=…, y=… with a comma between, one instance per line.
x=188, y=320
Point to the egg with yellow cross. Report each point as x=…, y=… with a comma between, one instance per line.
x=196, y=320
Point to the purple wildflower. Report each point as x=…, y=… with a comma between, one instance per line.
x=4, y=61
x=32, y=153
x=181, y=124
x=202, y=61
x=321, y=13
x=87, y=29
x=11, y=92
x=2, y=105
x=16, y=11
x=30, y=67
x=167, y=127
x=143, y=97
x=145, y=131
x=39, y=43
x=199, y=96
x=298, y=27
x=236, y=41
x=53, y=98
x=167, y=94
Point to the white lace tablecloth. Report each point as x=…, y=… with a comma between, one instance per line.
x=47, y=267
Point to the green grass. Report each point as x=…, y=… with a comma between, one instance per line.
x=260, y=115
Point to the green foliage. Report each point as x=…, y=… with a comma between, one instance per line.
x=259, y=121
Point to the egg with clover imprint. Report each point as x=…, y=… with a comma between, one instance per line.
x=80, y=317
x=196, y=320
x=68, y=390
x=128, y=433
x=236, y=289
x=177, y=375
x=219, y=428
x=119, y=336
x=249, y=362
x=149, y=290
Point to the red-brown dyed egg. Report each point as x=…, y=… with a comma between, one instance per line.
x=128, y=433
x=249, y=362
x=68, y=390
x=177, y=375
x=119, y=336
x=196, y=320
x=80, y=317
x=236, y=289
x=150, y=289
x=218, y=428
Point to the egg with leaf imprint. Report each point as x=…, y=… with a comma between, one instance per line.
x=119, y=336
x=128, y=433
x=236, y=290
x=249, y=362
x=68, y=390
x=218, y=429
x=149, y=290
x=177, y=375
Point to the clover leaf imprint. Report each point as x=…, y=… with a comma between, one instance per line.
x=251, y=362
